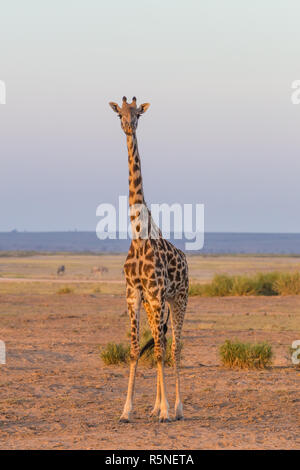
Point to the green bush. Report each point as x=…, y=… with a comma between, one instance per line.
x=196, y=289
x=97, y=290
x=264, y=283
x=115, y=354
x=220, y=286
x=242, y=285
x=148, y=357
x=245, y=355
x=288, y=284
x=273, y=283
x=65, y=290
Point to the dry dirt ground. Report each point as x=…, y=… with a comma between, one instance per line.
x=56, y=392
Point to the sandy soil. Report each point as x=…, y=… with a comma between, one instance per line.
x=57, y=394
x=62, y=280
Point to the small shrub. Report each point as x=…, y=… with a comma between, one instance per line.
x=195, y=289
x=115, y=354
x=242, y=285
x=288, y=284
x=148, y=357
x=264, y=283
x=245, y=355
x=97, y=290
x=65, y=290
x=272, y=283
x=220, y=286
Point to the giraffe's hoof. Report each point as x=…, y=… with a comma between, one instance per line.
x=124, y=419
x=164, y=419
x=178, y=411
x=179, y=418
x=155, y=412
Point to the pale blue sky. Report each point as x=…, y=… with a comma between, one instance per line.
x=221, y=129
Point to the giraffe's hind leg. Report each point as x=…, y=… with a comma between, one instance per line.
x=178, y=307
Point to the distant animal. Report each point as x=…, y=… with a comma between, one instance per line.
x=61, y=269
x=99, y=270
x=156, y=274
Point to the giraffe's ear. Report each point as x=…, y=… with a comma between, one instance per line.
x=142, y=108
x=115, y=107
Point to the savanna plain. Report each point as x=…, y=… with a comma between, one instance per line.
x=57, y=393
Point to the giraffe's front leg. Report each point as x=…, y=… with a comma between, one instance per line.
x=125, y=416
x=164, y=405
x=156, y=408
x=133, y=305
x=157, y=405
x=159, y=351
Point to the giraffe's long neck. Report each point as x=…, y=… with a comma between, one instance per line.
x=143, y=226
x=136, y=193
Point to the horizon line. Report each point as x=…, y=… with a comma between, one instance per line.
x=16, y=231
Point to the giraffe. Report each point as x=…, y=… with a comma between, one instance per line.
x=156, y=275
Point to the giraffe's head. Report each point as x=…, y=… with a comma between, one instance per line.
x=129, y=114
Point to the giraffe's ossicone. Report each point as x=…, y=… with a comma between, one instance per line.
x=156, y=275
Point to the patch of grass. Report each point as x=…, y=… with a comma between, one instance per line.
x=220, y=286
x=65, y=290
x=148, y=357
x=288, y=284
x=49, y=287
x=97, y=290
x=195, y=289
x=19, y=253
x=264, y=283
x=242, y=285
x=245, y=355
x=114, y=354
x=273, y=283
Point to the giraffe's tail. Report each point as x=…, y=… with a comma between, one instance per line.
x=150, y=343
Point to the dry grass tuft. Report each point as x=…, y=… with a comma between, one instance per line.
x=114, y=354
x=288, y=284
x=148, y=357
x=273, y=283
x=246, y=355
x=65, y=290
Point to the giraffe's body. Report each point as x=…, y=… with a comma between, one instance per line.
x=156, y=274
